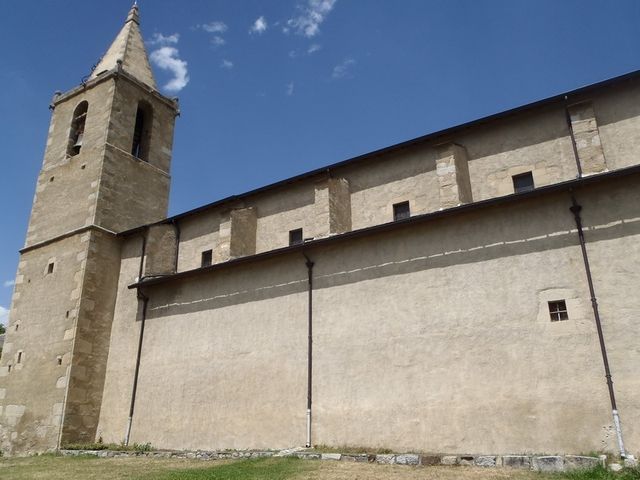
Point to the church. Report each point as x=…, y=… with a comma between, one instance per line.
x=473, y=290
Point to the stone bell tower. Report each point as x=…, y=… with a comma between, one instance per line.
x=105, y=170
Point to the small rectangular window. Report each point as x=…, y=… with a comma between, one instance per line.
x=50, y=268
x=207, y=257
x=523, y=182
x=295, y=236
x=401, y=211
x=19, y=357
x=558, y=310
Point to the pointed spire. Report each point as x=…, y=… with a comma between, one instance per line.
x=134, y=15
x=128, y=50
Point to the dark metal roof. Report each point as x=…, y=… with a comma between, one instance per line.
x=482, y=204
x=573, y=95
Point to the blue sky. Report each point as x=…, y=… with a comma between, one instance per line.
x=272, y=89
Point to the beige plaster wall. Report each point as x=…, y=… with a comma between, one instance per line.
x=283, y=210
x=123, y=348
x=536, y=141
x=436, y=338
x=397, y=177
x=197, y=234
x=230, y=354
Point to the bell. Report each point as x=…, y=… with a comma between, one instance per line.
x=78, y=140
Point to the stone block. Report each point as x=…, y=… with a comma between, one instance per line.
x=466, y=460
x=330, y=456
x=485, y=461
x=615, y=467
x=385, y=458
x=577, y=462
x=430, y=460
x=449, y=460
x=516, y=461
x=548, y=464
x=408, y=459
x=355, y=457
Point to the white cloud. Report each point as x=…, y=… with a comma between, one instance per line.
x=228, y=64
x=343, y=69
x=214, y=27
x=293, y=54
x=167, y=58
x=313, y=48
x=8, y=283
x=290, y=86
x=218, y=41
x=160, y=39
x=259, y=26
x=310, y=18
x=4, y=316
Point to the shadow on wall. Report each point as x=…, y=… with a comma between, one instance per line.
x=534, y=225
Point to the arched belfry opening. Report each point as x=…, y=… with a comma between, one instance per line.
x=142, y=131
x=76, y=132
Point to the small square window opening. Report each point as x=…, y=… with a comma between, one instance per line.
x=207, y=258
x=401, y=211
x=295, y=236
x=523, y=182
x=558, y=310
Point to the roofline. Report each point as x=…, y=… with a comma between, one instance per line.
x=562, y=97
x=426, y=217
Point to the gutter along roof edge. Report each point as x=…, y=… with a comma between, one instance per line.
x=303, y=247
x=562, y=97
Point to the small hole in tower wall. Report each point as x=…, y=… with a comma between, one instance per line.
x=67, y=314
x=9, y=368
x=52, y=179
x=17, y=326
x=19, y=357
x=50, y=268
x=83, y=166
x=59, y=360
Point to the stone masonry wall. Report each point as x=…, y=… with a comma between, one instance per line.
x=43, y=317
x=91, y=342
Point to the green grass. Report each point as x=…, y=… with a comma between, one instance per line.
x=251, y=469
x=601, y=473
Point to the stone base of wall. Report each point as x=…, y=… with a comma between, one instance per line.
x=540, y=463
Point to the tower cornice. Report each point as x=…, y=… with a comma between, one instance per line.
x=114, y=74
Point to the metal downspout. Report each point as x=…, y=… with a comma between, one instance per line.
x=575, y=209
x=309, y=265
